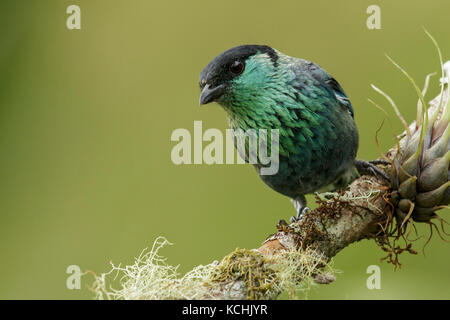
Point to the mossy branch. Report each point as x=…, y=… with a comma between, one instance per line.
x=297, y=253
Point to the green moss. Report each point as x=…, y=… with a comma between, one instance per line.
x=248, y=266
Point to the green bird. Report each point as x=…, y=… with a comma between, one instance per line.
x=261, y=88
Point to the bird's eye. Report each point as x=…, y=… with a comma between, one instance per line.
x=237, y=67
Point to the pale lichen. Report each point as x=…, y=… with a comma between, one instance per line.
x=258, y=276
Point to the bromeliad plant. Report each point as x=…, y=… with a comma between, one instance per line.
x=420, y=163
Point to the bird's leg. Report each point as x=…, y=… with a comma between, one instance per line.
x=369, y=168
x=300, y=206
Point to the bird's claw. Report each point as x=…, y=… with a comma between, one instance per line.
x=369, y=168
x=379, y=161
x=303, y=211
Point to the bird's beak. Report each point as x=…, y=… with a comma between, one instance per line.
x=211, y=94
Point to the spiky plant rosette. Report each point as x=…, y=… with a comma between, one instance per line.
x=420, y=161
x=421, y=164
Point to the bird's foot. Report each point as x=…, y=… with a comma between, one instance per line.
x=300, y=207
x=300, y=214
x=370, y=168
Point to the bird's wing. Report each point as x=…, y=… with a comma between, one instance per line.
x=327, y=80
x=340, y=94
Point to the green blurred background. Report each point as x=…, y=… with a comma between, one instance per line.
x=86, y=118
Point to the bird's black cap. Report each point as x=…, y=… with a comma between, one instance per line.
x=223, y=60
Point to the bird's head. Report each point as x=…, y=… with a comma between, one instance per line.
x=238, y=76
